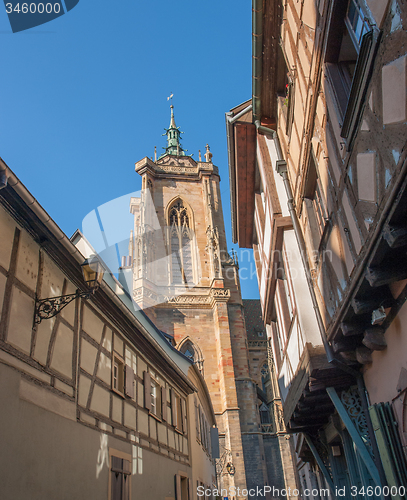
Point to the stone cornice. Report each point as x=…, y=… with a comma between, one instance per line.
x=175, y=166
x=188, y=300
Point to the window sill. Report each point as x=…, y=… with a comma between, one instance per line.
x=119, y=393
x=155, y=416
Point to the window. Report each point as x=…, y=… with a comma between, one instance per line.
x=120, y=475
x=285, y=297
x=350, y=52
x=264, y=414
x=118, y=374
x=122, y=377
x=180, y=244
x=178, y=412
x=155, y=399
x=183, y=487
x=315, y=205
x=192, y=352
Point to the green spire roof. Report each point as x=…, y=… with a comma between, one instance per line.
x=173, y=138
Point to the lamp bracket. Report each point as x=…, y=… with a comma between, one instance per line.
x=50, y=307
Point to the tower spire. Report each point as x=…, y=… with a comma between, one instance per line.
x=173, y=134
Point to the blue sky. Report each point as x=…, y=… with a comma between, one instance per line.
x=85, y=96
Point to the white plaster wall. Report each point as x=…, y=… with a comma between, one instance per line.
x=382, y=376
x=307, y=319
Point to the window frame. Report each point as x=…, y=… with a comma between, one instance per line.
x=156, y=399
x=315, y=207
x=120, y=388
x=178, y=413
x=349, y=99
x=123, y=456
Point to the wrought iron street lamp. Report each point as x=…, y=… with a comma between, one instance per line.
x=92, y=270
x=231, y=469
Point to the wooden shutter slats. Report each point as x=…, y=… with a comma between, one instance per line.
x=129, y=381
x=147, y=390
x=173, y=408
x=164, y=404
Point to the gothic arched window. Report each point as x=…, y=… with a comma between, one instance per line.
x=192, y=352
x=180, y=244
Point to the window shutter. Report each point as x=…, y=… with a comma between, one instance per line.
x=164, y=403
x=126, y=487
x=182, y=426
x=173, y=408
x=147, y=391
x=116, y=479
x=190, y=497
x=196, y=419
x=359, y=81
x=129, y=381
x=178, y=487
x=215, y=442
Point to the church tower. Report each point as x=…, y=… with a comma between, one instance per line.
x=188, y=284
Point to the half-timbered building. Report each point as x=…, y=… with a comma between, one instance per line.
x=318, y=165
x=96, y=403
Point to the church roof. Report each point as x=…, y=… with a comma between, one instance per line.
x=254, y=320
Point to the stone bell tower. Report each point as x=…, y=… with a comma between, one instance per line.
x=188, y=284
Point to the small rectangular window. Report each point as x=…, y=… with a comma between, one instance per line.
x=118, y=374
x=183, y=487
x=155, y=398
x=177, y=411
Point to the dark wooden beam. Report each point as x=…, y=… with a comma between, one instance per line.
x=337, y=382
x=363, y=355
x=374, y=339
x=346, y=344
x=301, y=408
x=311, y=419
x=314, y=399
x=396, y=236
x=355, y=326
x=393, y=268
x=349, y=356
x=374, y=298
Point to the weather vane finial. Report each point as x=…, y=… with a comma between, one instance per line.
x=170, y=97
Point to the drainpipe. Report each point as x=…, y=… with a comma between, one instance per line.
x=281, y=167
x=264, y=130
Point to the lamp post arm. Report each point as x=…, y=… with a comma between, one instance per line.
x=50, y=307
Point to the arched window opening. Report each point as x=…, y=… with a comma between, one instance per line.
x=180, y=245
x=264, y=414
x=193, y=353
